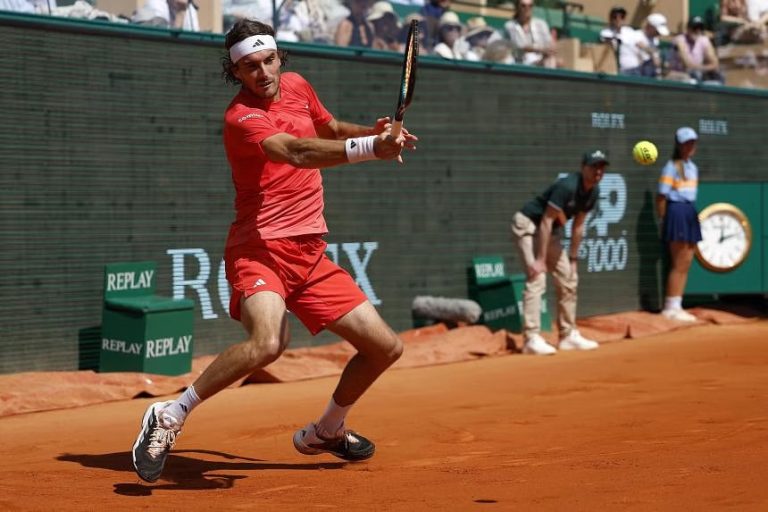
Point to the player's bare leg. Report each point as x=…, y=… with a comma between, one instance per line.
x=378, y=347
x=263, y=316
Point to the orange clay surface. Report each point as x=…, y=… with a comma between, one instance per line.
x=676, y=421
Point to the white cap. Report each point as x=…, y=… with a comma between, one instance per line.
x=449, y=18
x=685, y=134
x=381, y=9
x=659, y=22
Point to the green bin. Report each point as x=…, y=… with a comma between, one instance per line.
x=501, y=295
x=140, y=331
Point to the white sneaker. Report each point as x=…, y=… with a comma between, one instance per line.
x=156, y=438
x=538, y=346
x=679, y=315
x=575, y=341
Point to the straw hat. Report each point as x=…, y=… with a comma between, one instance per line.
x=478, y=25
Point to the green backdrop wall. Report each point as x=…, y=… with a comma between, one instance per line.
x=111, y=151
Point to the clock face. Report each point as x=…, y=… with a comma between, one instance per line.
x=726, y=237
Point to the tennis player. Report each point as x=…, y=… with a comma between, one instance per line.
x=277, y=134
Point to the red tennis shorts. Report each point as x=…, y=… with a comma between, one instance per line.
x=314, y=288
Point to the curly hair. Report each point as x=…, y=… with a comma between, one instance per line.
x=243, y=29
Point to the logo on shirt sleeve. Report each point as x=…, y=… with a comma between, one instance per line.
x=249, y=116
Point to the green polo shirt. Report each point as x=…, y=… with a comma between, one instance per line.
x=567, y=195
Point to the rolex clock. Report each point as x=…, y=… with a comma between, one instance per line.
x=726, y=237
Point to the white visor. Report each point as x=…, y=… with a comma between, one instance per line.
x=251, y=45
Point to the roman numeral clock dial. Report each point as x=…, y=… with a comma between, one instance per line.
x=726, y=237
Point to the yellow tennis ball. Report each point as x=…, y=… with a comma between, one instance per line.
x=645, y=153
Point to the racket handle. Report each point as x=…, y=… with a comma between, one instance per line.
x=397, y=127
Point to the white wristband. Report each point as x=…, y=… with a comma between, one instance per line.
x=360, y=149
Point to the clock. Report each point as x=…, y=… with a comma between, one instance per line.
x=726, y=237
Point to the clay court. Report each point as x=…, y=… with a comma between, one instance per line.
x=675, y=421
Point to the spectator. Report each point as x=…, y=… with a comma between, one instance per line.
x=83, y=10
x=355, y=29
x=24, y=6
x=531, y=37
x=757, y=10
x=29, y=6
x=386, y=26
x=676, y=207
x=616, y=33
x=179, y=14
x=616, y=27
x=499, y=51
x=745, y=20
x=318, y=19
x=79, y=9
x=639, y=50
x=448, y=33
x=432, y=11
x=693, y=58
x=472, y=46
x=290, y=25
x=537, y=230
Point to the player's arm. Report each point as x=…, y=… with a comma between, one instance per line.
x=336, y=129
x=312, y=152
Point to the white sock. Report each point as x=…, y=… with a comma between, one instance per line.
x=673, y=303
x=333, y=418
x=183, y=405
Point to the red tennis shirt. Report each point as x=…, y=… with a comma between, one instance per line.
x=273, y=200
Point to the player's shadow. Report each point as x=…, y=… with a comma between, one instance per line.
x=188, y=473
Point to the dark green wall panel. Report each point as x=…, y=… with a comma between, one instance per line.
x=111, y=151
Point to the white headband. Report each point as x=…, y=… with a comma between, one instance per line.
x=251, y=45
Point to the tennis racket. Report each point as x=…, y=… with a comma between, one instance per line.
x=408, y=81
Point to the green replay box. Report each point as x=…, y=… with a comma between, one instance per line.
x=501, y=295
x=140, y=331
